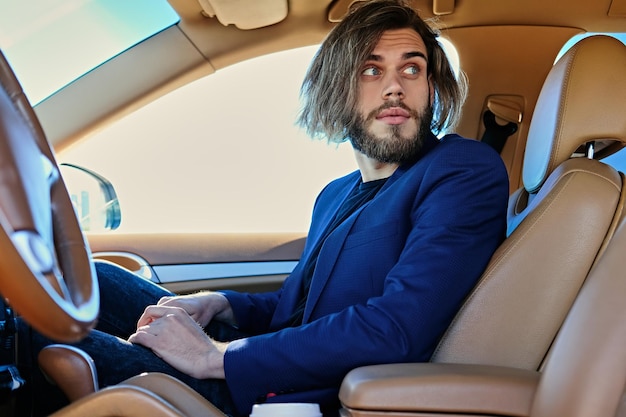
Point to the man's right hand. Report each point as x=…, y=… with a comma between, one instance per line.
x=202, y=307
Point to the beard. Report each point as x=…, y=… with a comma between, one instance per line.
x=393, y=147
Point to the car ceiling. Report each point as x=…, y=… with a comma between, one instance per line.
x=506, y=47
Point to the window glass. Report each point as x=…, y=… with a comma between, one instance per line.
x=221, y=154
x=39, y=37
x=617, y=160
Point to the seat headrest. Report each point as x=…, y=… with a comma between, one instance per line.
x=583, y=99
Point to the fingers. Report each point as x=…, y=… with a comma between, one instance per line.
x=187, y=303
x=146, y=338
x=141, y=337
x=154, y=312
x=175, y=301
x=152, y=323
x=146, y=334
x=164, y=300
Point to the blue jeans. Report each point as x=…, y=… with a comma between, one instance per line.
x=123, y=298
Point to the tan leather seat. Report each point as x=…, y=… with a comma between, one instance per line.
x=584, y=375
x=566, y=219
x=559, y=222
x=146, y=395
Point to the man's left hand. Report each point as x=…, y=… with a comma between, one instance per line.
x=177, y=339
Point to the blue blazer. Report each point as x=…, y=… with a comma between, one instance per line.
x=387, y=283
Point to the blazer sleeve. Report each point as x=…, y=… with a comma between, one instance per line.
x=457, y=220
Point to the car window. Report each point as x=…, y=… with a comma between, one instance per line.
x=41, y=34
x=221, y=154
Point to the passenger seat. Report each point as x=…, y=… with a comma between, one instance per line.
x=502, y=355
x=559, y=222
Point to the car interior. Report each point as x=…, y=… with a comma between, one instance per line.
x=541, y=334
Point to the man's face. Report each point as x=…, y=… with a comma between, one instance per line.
x=395, y=99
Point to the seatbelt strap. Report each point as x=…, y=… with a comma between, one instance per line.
x=496, y=134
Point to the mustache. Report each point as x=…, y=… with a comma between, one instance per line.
x=399, y=104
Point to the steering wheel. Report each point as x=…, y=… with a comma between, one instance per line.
x=46, y=273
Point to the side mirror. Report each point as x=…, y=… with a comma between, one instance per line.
x=94, y=198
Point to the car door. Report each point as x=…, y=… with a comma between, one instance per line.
x=189, y=262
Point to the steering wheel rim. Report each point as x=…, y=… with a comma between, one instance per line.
x=46, y=273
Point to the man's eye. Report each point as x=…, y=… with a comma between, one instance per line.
x=371, y=71
x=411, y=70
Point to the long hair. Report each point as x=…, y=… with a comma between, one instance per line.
x=329, y=91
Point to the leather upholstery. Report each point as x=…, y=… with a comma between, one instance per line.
x=582, y=100
x=176, y=393
x=121, y=401
x=71, y=368
x=149, y=394
x=516, y=310
x=439, y=388
x=585, y=373
x=513, y=315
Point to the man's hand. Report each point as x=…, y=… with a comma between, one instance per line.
x=175, y=337
x=202, y=307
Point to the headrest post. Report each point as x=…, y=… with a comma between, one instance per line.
x=590, y=148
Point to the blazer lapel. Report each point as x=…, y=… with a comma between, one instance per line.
x=332, y=247
x=329, y=253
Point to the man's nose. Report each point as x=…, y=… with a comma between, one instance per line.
x=393, y=88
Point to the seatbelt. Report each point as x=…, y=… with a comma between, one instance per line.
x=496, y=134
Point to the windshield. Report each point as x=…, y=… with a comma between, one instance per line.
x=39, y=37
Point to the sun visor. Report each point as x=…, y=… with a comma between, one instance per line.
x=246, y=14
